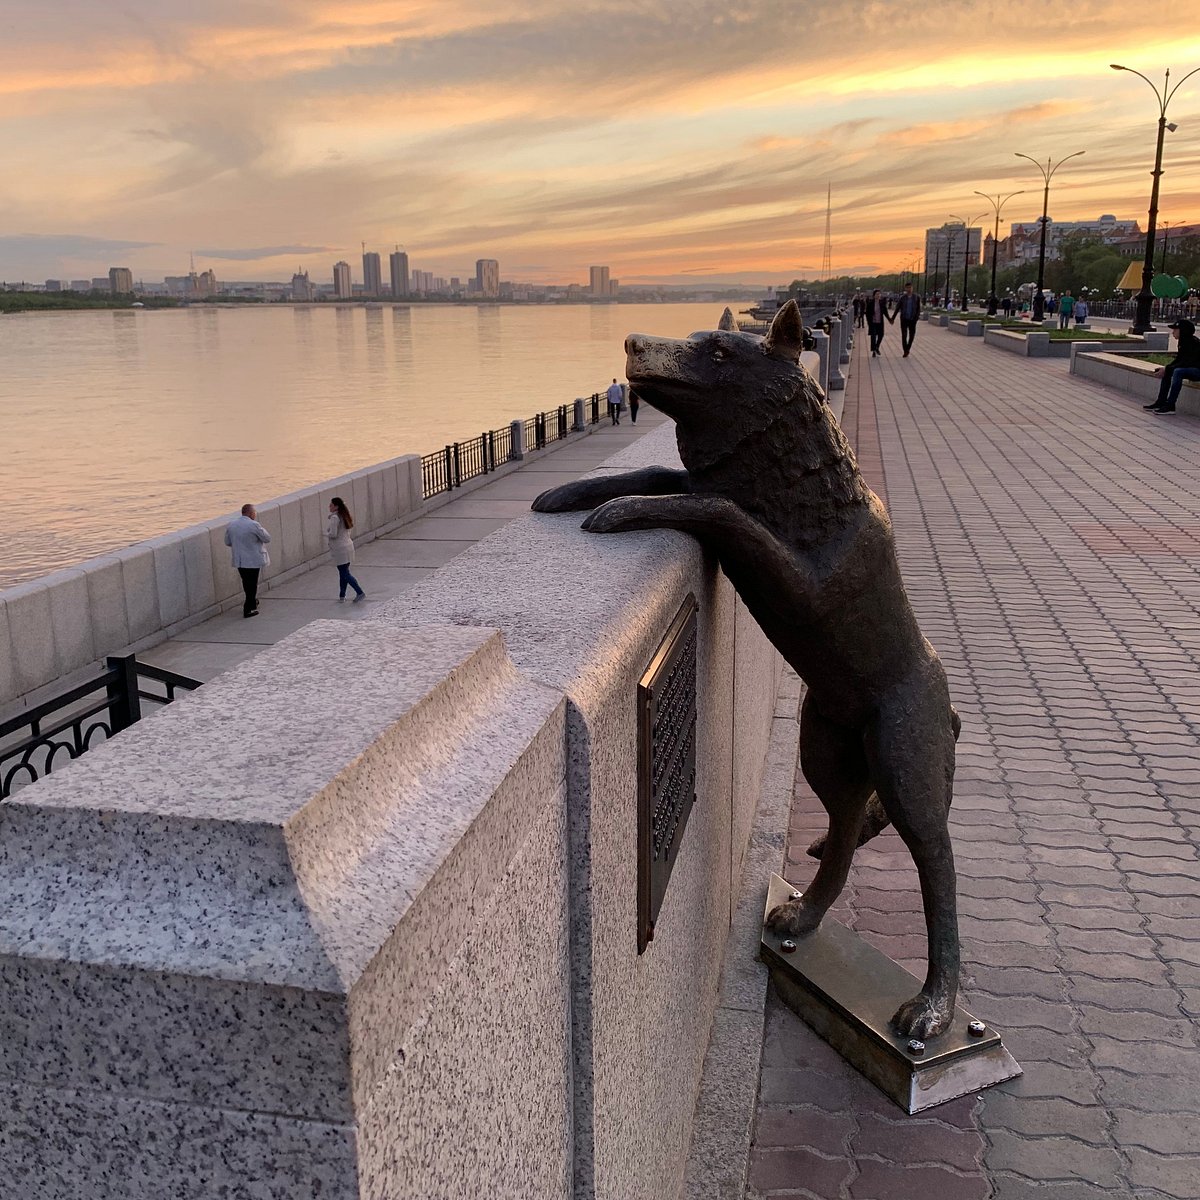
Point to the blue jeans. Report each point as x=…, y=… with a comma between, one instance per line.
x=345, y=578
x=1172, y=382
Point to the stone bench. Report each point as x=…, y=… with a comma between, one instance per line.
x=1123, y=372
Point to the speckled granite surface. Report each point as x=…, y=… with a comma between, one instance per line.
x=247, y=904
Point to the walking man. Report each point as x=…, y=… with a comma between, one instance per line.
x=615, y=399
x=1185, y=365
x=908, y=309
x=247, y=539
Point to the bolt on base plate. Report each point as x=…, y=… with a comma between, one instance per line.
x=847, y=991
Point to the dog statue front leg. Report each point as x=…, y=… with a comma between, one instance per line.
x=719, y=525
x=588, y=493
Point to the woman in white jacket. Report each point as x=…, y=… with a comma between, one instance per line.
x=341, y=548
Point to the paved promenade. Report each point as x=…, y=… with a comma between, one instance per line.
x=391, y=564
x=1049, y=533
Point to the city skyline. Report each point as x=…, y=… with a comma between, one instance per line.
x=261, y=135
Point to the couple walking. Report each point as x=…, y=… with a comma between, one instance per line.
x=907, y=308
x=247, y=540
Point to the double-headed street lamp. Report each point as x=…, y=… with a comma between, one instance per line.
x=1039, y=300
x=949, y=259
x=1145, y=298
x=968, y=225
x=997, y=204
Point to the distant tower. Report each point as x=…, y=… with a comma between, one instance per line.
x=399, y=267
x=487, y=276
x=342, y=286
x=827, y=253
x=372, y=272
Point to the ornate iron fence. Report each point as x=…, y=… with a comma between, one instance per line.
x=454, y=465
x=57, y=731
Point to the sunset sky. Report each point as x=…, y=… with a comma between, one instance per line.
x=671, y=139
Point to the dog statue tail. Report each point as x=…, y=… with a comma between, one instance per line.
x=875, y=820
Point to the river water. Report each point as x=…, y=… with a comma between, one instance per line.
x=121, y=425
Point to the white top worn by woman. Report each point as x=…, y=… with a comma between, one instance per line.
x=341, y=544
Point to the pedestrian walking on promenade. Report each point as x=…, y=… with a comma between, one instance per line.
x=1081, y=311
x=634, y=402
x=1066, y=309
x=860, y=310
x=908, y=309
x=615, y=399
x=877, y=311
x=1185, y=365
x=247, y=540
x=341, y=547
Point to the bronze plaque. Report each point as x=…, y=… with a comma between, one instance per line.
x=666, y=714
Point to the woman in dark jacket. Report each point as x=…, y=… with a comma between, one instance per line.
x=876, y=314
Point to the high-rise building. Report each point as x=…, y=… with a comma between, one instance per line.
x=343, y=287
x=101, y=283
x=399, y=264
x=949, y=242
x=372, y=274
x=302, y=289
x=487, y=276
x=599, y=281
x=54, y=285
x=120, y=280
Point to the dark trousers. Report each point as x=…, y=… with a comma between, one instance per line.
x=250, y=587
x=614, y=411
x=908, y=331
x=633, y=407
x=1172, y=383
x=876, y=332
x=345, y=579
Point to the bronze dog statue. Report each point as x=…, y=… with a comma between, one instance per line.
x=771, y=486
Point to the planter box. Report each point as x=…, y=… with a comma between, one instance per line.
x=1039, y=344
x=967, y=328
x=1126, y=373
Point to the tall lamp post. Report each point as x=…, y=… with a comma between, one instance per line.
x=997, y=204
x=1145, y=298
x=1162, y=260
x=968, y=225
x=1039, y=300
x=949, y=260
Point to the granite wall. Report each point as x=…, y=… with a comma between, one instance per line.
x=358, y=918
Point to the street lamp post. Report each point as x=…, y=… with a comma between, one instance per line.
x=949, y=259
x=968, y=226
x=937, y=266
x=1162, y=261
x=997, y=204
x=1145, y=298
x=1039, y=300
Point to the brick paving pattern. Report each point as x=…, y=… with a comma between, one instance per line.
x=1049, y=533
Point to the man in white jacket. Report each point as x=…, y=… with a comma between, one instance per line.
x=248, y=541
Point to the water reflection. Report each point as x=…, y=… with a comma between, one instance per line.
x=124, y=425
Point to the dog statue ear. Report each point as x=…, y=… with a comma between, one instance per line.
x=786, y=337
x=728, y=323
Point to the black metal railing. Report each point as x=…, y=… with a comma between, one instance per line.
x=58, y=731
x=454, y=465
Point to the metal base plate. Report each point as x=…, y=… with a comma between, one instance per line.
x=847, y=991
